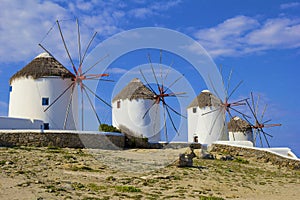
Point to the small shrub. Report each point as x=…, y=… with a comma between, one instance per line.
x=228, y=170
x=69, y=157
x=110, y=178
x=108, y=128
x=127, y=188
x=2, y=162
x=241, y=160
x=50, y=188
x=77, y=186
x=53, y=147
x=210, y=198
x=94, y=187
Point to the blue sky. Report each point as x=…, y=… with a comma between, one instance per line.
x=259, y=40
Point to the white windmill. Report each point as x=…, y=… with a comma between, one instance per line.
x=36, y=86
x=144, y=106
x=78, y=81
x=210, y=120
x=132, y=109
x=203, y=128
x=240, y=130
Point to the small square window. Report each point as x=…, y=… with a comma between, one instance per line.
x=46, y=126
x=10, y=88
x=194, y=110
x=45, y=101
x=118, y=104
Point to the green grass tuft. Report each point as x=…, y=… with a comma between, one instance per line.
x=241, y=160
x=127, y=188
x=2, y=162
x=210, y=198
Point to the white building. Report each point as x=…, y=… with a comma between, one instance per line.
x=11, y=123
x=240, y=130
x=205, y=127
x=130, y=111
x=36, y=86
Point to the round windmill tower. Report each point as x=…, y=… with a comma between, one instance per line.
x=240, y=130
x=133, y=111
x=38, y=85
x=202, y=127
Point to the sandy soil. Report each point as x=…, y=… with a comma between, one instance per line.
x=51, y=173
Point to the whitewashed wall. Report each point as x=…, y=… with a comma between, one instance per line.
x=241, y=136
x=130, y=114
x=26, y=101
x=204, y=126
x=19, y=123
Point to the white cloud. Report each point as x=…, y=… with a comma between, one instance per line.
x=141, y=12
x=226, y=38
x=84, y=5
x=153, y=9
x=243, y=35
x=116, y=70
x=289, y=5
x=276, y=33
x=24, y=25
x=165, y=5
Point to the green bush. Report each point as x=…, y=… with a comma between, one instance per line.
x=108, y=128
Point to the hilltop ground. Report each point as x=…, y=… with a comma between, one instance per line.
x=54, y=173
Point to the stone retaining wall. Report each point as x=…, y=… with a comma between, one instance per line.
x=255, y=154
x=61, y=139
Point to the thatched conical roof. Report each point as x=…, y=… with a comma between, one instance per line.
x=237, y=124
x=134, y=90
x=42, y=66
x=204, y=99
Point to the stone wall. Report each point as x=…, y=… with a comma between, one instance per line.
x=263, y=156
x=61, y=139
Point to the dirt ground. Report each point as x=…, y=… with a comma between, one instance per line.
x=55, y=173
